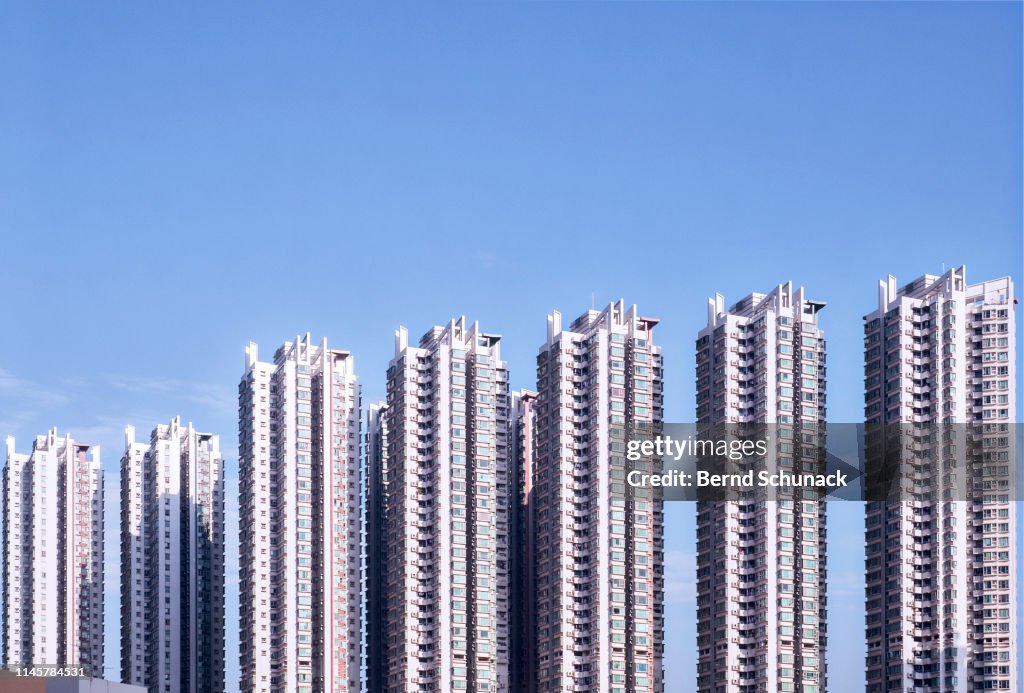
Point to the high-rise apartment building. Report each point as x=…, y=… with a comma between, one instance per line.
x=375, y=556
x=761, y=605
x=522, y=618
x=598, y=545
x=299, y=520
x=445, y=520
x=172, y=560
x=53, y=554
x=941, y=580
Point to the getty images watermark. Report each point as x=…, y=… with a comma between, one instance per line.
x=666, y=447
x=816, y=461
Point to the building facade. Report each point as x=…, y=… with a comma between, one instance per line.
x=522, y=618
x=761, y=576
x=941, y=577
x=53, y=554
x=172, y=560
x=445, y=520
x=597, y=543
x=299, y=520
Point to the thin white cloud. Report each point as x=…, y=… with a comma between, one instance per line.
x=485, y=258
x=219, y=399
x=107, y=431
x=843, y=586
x=24, y=401
x=680, y=577
x=33, y=392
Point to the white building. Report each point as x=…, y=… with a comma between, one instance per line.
x=761, y=578
x=446, y=578
x=299, y=520
x=941, y=571
x=598, y=545
x=53, y=554
x=172, y=560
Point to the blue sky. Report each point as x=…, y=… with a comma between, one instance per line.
x=177, y=181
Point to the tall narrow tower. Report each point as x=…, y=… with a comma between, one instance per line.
x=761, y=577
x=53, y=555
x=941, y=570
x=172, y=560
x=375, y=555
x=523, y=616
x=598, y=545
x=446, y=521
x=299, y=520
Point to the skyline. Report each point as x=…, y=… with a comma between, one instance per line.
x=263, y=172
x=679, y=525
